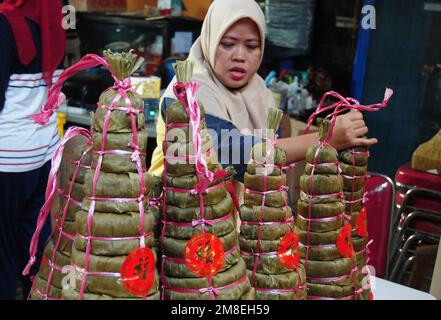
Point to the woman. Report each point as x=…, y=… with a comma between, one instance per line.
x=227, y=56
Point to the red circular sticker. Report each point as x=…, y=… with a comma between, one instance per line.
x=204, y=255
x=288, y=251
x=344, y=242
x=138, y=271
x=361, y=224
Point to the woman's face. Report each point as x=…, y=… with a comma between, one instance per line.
x=238, y=54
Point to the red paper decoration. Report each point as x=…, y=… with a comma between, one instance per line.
x=361, y=224
x=288, y=251
x=204, y=255
x=138, y=271
x=344, y=242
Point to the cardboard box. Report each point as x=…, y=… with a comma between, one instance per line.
x=109, y=5
x=196, y=8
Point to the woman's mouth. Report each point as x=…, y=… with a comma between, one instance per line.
x=237, y=73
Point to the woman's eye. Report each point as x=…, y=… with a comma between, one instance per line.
x=227, y=45
x=252, y=47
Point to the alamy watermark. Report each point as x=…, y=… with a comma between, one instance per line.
x=369, y=20
x=69, y=17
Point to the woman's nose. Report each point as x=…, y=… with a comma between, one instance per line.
x=239, y=54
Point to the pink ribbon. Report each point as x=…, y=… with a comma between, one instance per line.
x=211, y=289
x=322, y=196
x=197, y=222
x=326, y=164
x=330, y=219
x=331, y=279
x=280, y=291
x=145, y=235
x=344, y=104
x=186, y=93
x=50, y=191
x=68, y=197
x=281, y=189
x=258, y=254
x=287, y=220
x=55, y=97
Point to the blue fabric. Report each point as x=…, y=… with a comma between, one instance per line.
x=21, y=196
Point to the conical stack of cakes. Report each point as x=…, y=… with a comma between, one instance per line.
x=354, y=166
x=325, y=238
x=197, y=206
x=266, y=219
x=115, y=221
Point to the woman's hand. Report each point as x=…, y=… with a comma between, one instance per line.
x=349, y=131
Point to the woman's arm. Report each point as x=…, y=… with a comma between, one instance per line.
x=349, y=131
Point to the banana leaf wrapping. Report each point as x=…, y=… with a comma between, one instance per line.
x=266, y=219
x=41, y=283
x=71, y=294
x=251, y=245
x=319, y=226
x=220, y=228
x=155, y=195
x=186, y=200
x=80, y=152
x=259, y=151
x=183, y=215
x=119, y=120
x=183, y=135
x=268, y=232
x=71, y=207
x=320, y=220
x=320, y=210
x=187, y=169
x=113, y=207
x=354, y=163
x=119, y=163
x=216, y=211
x=274, y=200
x=283, y=281
x=48, y=281
x=357, y=154
x=113, y=225
x=321, y=184
x=269, y=214
x=65, y=244
x=177, y=113
x=255, y=182
x=254, y=168
x=235, y=274
x=111, y=185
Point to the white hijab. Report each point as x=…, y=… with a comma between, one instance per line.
x=247, y=108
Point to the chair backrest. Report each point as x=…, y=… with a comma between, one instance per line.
x=380, y=191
